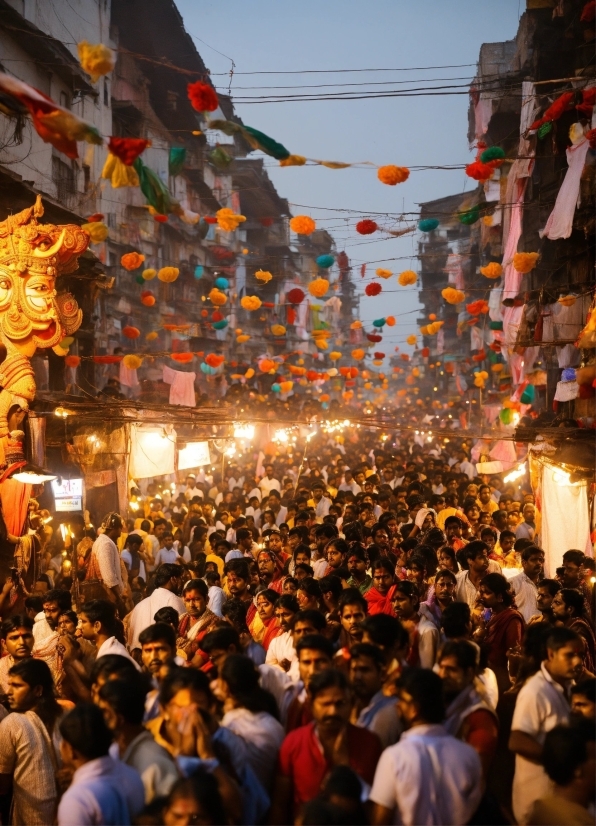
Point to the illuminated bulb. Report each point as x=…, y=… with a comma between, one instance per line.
x=515, y=474
x=244, y=431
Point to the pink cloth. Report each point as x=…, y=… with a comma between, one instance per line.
x=560, y=221
x=182, y=386
x=513, y=278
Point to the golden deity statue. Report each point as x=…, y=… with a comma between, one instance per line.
x=32, y=312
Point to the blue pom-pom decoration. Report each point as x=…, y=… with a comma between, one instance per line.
x=222, y=283
x=428, y=224
x=325, y=261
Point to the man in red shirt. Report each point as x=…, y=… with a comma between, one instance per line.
x=380, y=595
x=308, y=753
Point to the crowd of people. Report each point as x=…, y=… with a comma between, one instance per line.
x=368, y=636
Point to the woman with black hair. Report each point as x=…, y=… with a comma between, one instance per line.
x=251, y=712
x=505, y=628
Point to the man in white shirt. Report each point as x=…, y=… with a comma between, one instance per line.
x=167, y=553
x=525, y=584
x=476, y=555
x=268, y=482
x=104, y=563
x=319, y=501
x=98, y=625
x=428, y=776
x=191, y=488
x=102, y=790
x=281, y=651
x=541, y=705
x=168, y=584
x=466, y=467
x=349, y=483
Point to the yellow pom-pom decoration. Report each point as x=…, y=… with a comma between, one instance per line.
x=453, y=296
x=242, y=338
x=286, y=386
x=392, y=175
x=424, y=331
x=250, y=302
x=525, y=261
x=367, y=385
x=406, y=278
x=217, y=297
x=151, y=336
x=358, y=354
x=383, y=273
x=132, y=362
x=302, y=225
x=169, y=274
x=335, y=355
x=148, y=274
x=228, y=220
x=411, y=339
x=321, y=343
x=318, y=287
x=492, y=270
x=96, y=59
x=497, y=368
x=263, y=275
x=97, y=230
x=249, y=373
x=278, y=330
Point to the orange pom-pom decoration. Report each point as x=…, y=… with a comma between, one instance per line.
x=204, y=313
x=407, y=277
x=405, y=357
x=318, y=287
x=432, y=317
x=302, y=225
x=392, y=175
x=453, y=296
x=147, y=298
x=266, y=365
x=477, y=307
x=390, y=321
x=492, y=270
x=132, y=260
x=182, y=358
x=214, y=360
x=525, y=261
x=479, y=171
x=366, y=227
x=374, y=288
x=131, y=332
x=72, y=361
x=202, y=96
x=358, y=354
x=324, y=397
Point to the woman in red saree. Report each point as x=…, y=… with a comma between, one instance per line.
x=380, y=595
x=265, y=626
x=504, y=629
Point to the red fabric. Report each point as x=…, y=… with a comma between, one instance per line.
x=15, y=500
x=273, y=631
x=379, y=604
x=202, y=96
x=588, y=12
x=504, y=631
x=481, y=731
x=302, y=761
x=127, y=149
x=250, y=614
x=556, y=109
x=588, y=101
x=299, y=714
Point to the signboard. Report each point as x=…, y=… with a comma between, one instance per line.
x=68, y=495
x=195, y=454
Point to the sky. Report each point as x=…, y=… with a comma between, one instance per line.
x=275, y=36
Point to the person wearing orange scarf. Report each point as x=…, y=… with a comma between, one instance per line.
x=380, y=595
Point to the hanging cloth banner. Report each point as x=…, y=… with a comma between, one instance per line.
x=193, y=455
x=152, y=451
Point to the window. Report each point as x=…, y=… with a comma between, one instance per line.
x=64, y=100
x=64, y=177
x=106, y=92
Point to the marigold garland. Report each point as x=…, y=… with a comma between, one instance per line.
x=202, y=96
x=318, y=287
x=217, y=297
x=302, y=225
x=168, y=274
x=382, y=273
x=263, y=275
x=374, y=288
x=228, y=220
x=406, y=278
x=492, y=270
x=132, y=362
x=392, y=175
x=453, y=296
x=366, y=227
x=250, y=302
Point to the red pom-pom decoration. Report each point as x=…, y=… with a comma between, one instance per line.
x=479, y=171
x=425, y=352
x=131, y=332
x=97, y=216
x=268, y=304
x=216, y=316
x=366, y=227
x=295, y=296
x=72, y=361
x=202, y=96
x=127, y=150
x=210, y=219
x=374, y=288
x=404, y=357
x=374, y=337
x=379, y=355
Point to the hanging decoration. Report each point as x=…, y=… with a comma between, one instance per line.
x=96, y=59
x=97, y=230
x=242, y=338
x=493, y=155
x=127, y=150
x=480, y=378
x=250, y=303
x=132, y=260
x=453, y=296
x=278, y=330
x=477, y=307
x=357, y=355
x=374, y=337
x=132, y=362
x=222, y=284
x=492, y=270
x=335, y=355
x=214, y=360
x=148, y=274
x=325, y=261
x=168, y=274
x=407, y=277
x=374, y=288
x=302, y=225
x=217, y=297
x=147, y=298
x=152, y=336
x=469, y=216
x=228, y=220
x=318, y=287
x=392, y=175
x=295, y=295
x=428, y=224
x=202, y=96
x=379, y=322
x=263, y=275
x=411, y=340
x=382, y=273
x=356, y=325
x=176, y=160
x=389, y=321
x=524, y=262
x=366, y=227
x=131, y=332
x=118, y=173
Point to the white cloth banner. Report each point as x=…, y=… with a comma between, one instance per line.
x=194, y=454
x=565, y=518
x=152, y=451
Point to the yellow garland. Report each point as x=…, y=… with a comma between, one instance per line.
x=383, y=273
x=228, y=220
x=250, y=302
x=263, y=275
x=97, y=230
x=407, y=277
x=217, y=297
x=169, y=274
x=96, y=59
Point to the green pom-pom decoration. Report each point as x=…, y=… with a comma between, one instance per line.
x=506, y=415
x=470, y=216
x=139, y=279
x=493, y=153
x=325, y=261
x=220, y=325
x=544, y=129
x=428, y=224
x=529, y=394
x=379, y=322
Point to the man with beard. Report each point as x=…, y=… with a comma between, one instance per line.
x=357, y=564
x=309, y=753
x=168, y=583
x=442, y=596
x=46, y=633
x=281, y=651
x=468, y=582
x=238, y=581
x=545, y=593
x=372, y=709
x=469, y=715
x=158, y=655
x=352, y=608
x=16, y=637
x=197, y=620
x=269, y=570
x=524, y=585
